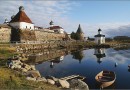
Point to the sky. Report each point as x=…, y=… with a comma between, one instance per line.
x=113, y=17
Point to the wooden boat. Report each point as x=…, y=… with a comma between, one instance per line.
x=105, y=78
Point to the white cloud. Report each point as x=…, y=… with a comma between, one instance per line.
x=41, y=12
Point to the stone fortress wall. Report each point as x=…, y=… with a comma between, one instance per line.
x=17, y=35
x=5, y=34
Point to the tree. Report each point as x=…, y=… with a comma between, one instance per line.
x=73, y=35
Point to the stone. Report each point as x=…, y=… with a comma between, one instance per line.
x=50, y=81
x=41, y=79
x=78, y=84
x=33, y=67
x=30, y=78
x=27, y=67
x=64, y=83
x=55, y=79
x=33, y=73
x=52, y=77
x=23, y=70
x=18, y=66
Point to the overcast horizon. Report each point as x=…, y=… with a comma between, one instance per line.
x=111, y=16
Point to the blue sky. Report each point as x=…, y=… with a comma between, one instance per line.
x=102, y=11
x=113, y=17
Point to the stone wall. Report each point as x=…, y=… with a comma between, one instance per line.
x=44, y=35
x=18, y=35
x=5, y=34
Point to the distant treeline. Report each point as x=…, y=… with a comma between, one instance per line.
x=116, y=38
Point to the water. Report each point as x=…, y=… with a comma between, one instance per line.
x=88, y=63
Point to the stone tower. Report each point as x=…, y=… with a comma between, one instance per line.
x=80, y=34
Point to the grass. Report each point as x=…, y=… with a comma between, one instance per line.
x=10, y=79
x=19, y=82
x=6, y=52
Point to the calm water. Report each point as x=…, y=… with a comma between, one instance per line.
x=88, y=63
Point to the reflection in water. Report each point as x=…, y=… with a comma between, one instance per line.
x=116, y=64
x=129, y=70
x=56, y=60
x=99, y=53
x=78, y=55
x=68, y=65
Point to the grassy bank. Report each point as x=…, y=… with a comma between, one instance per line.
x=10, y=79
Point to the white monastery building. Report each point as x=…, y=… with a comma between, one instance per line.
x=21, y=20
x=56, y=29
x=99, y=38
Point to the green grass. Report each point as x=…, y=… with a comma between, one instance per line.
x=19, y=81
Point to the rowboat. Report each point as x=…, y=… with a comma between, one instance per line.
x=105, y=78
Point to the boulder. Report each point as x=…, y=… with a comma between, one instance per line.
x=33, y=73
x=18, y=66
x=78, y=84
x=27, y=67
x=33, y=67
x=24, y=70
x=39, y=79
x=50, y=81
x=52, y=77
x=64, y=83
x=30, y=78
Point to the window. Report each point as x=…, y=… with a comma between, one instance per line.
x=26, y=26
x=30, y=27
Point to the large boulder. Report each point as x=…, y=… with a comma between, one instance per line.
x=64, y=83
x=33, y=73
x=17, y=66
x=78, y=84
x=52, y=77
x=23, y=70
x=27, y=67
x=32, y=67
x=50, y=81
x=31, y=79
x=40, y=79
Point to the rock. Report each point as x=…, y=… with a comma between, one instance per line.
x=12, y=67
x=41, y=79
x=50, y=81
x=18, y=66
x=27, y=67
x=30, y=78
x=78, y=84
x=23, y=70
x=33, y=67
x=53, y=78
x=33, y=73
x=64, y=83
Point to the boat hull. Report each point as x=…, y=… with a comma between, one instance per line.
x=104, y=84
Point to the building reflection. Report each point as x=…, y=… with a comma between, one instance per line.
x=56, y=60
x=78, y=55
x=99, y=53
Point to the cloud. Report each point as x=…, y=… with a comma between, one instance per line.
x=42, y=12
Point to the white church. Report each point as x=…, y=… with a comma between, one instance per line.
x=56, y=29
x=21, y=20
x=99, y=38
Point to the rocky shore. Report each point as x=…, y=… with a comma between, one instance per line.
x=33, y=75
